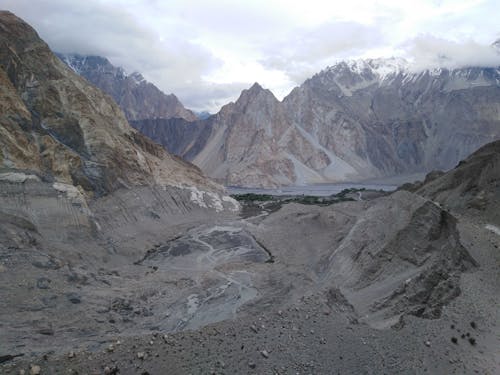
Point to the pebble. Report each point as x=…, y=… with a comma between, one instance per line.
x=111, y=348
x=71, y=354
x=35, y=370
x=252, y=364
x=265, y=354
x=141, y=355
x=427, y=343
x=253, y=328
x=22, y=372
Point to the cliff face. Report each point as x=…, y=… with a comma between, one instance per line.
x=138, y=98
x=55, y=123
x=353, y=121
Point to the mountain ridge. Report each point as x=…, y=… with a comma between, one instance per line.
x=352, y=121
x=137, y=97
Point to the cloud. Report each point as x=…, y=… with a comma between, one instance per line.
x=92, y=27
x=427, y=51
x=210, y=96
x=205, y=51
x=306, y=51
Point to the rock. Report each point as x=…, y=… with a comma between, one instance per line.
x=46, y=331
x=111, y=348
x=74, y=298
x=427, y=343
x=22, y=372
x=71, y=354
x=252, y=365
x=141, y=355
x=35, y=370
x=264, y=353
x=43, y=283
x=254, y=328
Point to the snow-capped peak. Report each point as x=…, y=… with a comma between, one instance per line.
x=381, y=68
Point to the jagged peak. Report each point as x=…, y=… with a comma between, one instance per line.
x=255, y=91
x=256, y=87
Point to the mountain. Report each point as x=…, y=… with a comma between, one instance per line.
x=355, y=120
x=116, y=257
x=56, y=123
x=138, y=98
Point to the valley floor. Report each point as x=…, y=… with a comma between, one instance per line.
x=267, y=295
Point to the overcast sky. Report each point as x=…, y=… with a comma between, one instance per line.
x=207, y=51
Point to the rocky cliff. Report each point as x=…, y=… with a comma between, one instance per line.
x=353, y=121
x=138, y=98
x=57, y=125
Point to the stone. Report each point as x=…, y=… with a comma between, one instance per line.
x=264, y=353
x=35, y=370
x=141, y=355
x=74, y=298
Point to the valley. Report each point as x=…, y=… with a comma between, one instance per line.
x=330, y=251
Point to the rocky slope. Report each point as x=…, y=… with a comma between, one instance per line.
x=392, y=285
x=355, y=120
x=138, y=98
x=474, y=185
x=81, y=192
x=59, y=126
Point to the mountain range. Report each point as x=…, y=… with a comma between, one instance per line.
x=352, y=121
x=118, y=257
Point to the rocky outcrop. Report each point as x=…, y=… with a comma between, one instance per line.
x=138, y=98
x=56, y=124
x=353, y=121
x=473, y=186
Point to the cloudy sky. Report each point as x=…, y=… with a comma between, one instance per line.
x=207, y=51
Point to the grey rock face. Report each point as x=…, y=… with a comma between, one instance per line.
x=138, y=98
